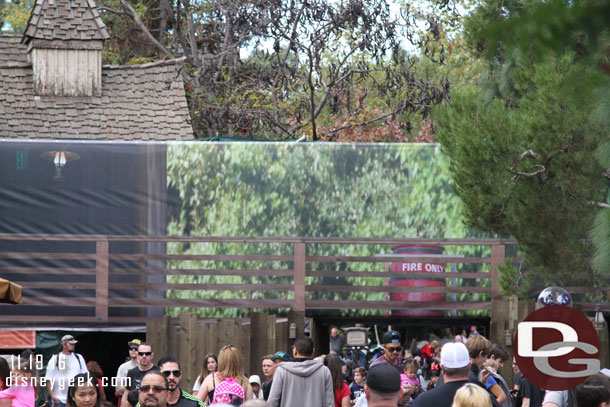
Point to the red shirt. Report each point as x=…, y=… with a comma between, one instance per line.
x=427, y=352
x=342, y=392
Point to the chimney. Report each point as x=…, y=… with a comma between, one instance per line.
x=65, y=39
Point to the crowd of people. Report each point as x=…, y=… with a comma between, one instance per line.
x=456, y=372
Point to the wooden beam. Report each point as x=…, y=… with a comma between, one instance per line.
x=101, y=280
x=188, y=349
x=299, y=277
x=498, y=253
x=258, y=342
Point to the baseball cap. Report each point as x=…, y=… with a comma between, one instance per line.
x=280, y=355
x=255, y=379
x=383, y=378
x=68, y=339
x=136, y=342
x=454, y=355
x=391, y=337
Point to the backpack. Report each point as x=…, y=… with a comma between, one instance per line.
x=229, y=392
x=504, y=386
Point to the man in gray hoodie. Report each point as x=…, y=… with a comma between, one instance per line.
x=302, y=382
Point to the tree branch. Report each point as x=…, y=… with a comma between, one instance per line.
x=527, y=174
x=132, y=13
x=362, y=124
x=528, y=153
x=600, y=204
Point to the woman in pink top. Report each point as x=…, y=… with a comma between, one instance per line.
x=20, y=392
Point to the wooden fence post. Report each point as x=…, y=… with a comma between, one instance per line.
x=258, y=341
x=101, y=280
x=157, y=334
x=498, y=253
x=188, y=349
x=299, y=277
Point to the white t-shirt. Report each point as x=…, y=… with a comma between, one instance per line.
x=197, y=385
x=121, y=375
x=559, y=398
x=59, y=372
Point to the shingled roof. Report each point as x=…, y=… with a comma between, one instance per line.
x=139, y=102
x=11, y=50
x=65, y=20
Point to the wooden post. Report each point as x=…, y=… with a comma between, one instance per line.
x=259, y=341
x=498, y=252
x=297, y=318
x=299, y=277
x=604, y=345
x=271, y=335
x=157, y=334
x=101, y=280
x=188, y=349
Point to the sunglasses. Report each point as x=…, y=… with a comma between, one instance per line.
x=394, y=349
x=144, y=353
x=226, y=347
x=133, y=348
x=167, y=373
x=156, y=389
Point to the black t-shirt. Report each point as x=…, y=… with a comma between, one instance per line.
x=186, y=400
x=356, y=391
x=441, y=396
x=267, y=389
x=135, y=376
x=532, y=392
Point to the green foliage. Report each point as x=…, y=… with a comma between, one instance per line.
x=601, y=235
x=512, y=281
x=16, y=13
x=322, y=190
x=488, y=142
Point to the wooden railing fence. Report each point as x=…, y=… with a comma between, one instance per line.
x=101, y=283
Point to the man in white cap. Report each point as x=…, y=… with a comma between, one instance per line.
x=455, y=366
x=61, y=368
x=131, y=362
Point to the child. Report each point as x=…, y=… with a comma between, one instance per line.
x=20, y=392
x=410, y=374
x=435, y=373
x=357, y=388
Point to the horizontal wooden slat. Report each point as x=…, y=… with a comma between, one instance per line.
x=57, y=285
x=200, y=302
x=60, y=301
x=47, y=270
x=593, y=306
x=27, y=321
x=417, y=275
x=39, y=255
x=335, y=304
x=395, y=289
x=209, y=272
x=197, y=287
x=202, y=257
x=397, y=259
x=254, y=239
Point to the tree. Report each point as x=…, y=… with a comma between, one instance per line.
x=273, y=68
x=523, y=143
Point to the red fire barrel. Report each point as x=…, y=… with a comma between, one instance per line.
x=404, y=268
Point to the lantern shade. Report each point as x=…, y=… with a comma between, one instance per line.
x=10, y=293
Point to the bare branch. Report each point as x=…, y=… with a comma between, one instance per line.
x=540, y=170
x=600, y=204
x=113, y=11
x=528, y=153
x=132, y=13
x=362, y=124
